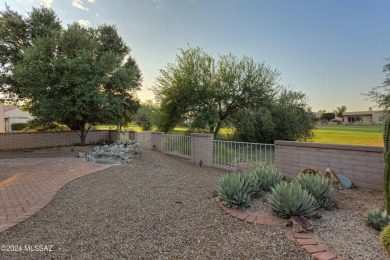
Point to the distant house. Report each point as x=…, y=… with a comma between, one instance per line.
x=13, y=114
x=369, y=117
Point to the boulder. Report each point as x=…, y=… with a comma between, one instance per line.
x=300, y=224
x=118, y=152
x=330, y=174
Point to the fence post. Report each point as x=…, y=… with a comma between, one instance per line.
x=113, y=135
x=202, y=148
x=157, y=141
x=2, y=118
x=132, y=135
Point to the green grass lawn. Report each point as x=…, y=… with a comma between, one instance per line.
x=337, y=134
x=345, y=134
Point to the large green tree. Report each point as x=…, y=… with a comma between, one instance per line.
x=206, y=93
x=381, y=94
x=79, y=77
x=286, y=117
x=18, y=32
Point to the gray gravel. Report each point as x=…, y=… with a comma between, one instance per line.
x=158, y=207
x=345, y=230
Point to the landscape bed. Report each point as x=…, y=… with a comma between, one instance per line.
x=160, y=206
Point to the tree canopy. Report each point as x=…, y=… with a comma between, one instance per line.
x=340, y=110
x=328, y=116
x=381, y=94
x=205, y=93
x=208, y=94
x=76, y=76
x=146, y=115
x=18, y=32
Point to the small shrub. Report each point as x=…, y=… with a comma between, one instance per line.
x=268, y=176
x=235, y=190
x=318, y=186
x=377, y=219
x=18, y=126
x=289, y=199
x=385, y=239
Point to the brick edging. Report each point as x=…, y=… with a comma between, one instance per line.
x=304, y=240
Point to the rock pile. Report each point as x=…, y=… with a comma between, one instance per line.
x=118, y=152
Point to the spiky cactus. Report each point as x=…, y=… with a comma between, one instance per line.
x=385, y=239
x=386, y=174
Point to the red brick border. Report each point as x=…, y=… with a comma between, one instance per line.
x=304, y=240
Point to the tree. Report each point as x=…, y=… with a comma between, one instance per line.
x=18, y=32
x=320, y=113
x=340, y=110
x=381, y=94
x=328, y=116
x=146, y=114
x=207, y=93
x=78, y=77
x=288, y=117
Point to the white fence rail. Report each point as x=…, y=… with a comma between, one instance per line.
x=144, y=139
x=236, y=154
x=177, y=145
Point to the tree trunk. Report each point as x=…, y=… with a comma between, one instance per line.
x=83, y=134
x=217, y=129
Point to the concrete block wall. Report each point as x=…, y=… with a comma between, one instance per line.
x=202, y=148
x=132, y=135
x=23, y=140
x=157, y=141
x=362, y=164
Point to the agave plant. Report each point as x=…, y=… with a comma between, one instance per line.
x=378, y=219
x=235, y=190
x=289, y=199
x=254, y=183
x=267, y=176
x=318, y=186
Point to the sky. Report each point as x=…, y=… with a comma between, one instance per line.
x=331, y=50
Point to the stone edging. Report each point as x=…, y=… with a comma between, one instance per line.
x=304, y=240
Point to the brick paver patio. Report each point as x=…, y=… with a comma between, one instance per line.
x=28, y=184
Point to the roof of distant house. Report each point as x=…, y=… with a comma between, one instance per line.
x=361, y=113
x=8, y=108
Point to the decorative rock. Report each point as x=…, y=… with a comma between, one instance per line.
x=300, y=224
x=118, y=152
x=80, y=154
x=330, y=174
x=347, y=183
x=310, y=171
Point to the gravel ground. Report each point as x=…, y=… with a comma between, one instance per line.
x=158, y=207
x=344, y=230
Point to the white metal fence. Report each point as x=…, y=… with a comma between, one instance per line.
x=177, y=144
x=144, y=139
x=236, y=154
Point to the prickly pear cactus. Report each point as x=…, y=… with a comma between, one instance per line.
x=385, y=239
x=386, y=139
